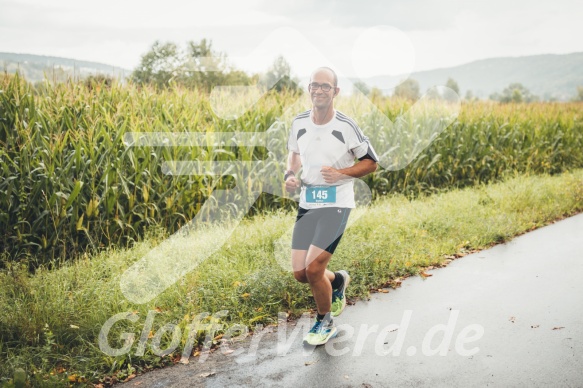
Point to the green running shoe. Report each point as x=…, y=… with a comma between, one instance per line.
x=321, y=332
x=339, y=297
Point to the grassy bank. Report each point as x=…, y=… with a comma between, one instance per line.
x=51, y=320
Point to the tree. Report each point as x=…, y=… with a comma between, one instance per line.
x=375, y=94
x=197, y=67
x=516, y=96
x=453, y=85
x=469, y=95
x=408, y=89
x=579, y=93
x=433, y=94
x=203, y=67
x=279, y=78
x=362, y=86
x=515, y=92
x=97, y=81
x=159, y=65
x=239, y=77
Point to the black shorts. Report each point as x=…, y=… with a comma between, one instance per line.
x=321, y=227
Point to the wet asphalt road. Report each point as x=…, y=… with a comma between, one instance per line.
x=508, y=316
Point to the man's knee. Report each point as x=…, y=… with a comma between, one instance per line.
x=314, y=272
x=301, y=276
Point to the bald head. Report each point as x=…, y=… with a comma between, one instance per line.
x=325, y=70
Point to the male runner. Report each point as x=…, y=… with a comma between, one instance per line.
x=324, y=143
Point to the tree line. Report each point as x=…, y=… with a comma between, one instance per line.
x=199, y=66
x=410, y=89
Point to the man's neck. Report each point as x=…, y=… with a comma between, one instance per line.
x=322, y=116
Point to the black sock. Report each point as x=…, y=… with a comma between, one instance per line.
x=338, y=281
x=320, y=317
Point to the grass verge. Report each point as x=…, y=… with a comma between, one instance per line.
x=51, y=320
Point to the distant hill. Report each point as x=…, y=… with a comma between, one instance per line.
x=34, y=67
x=549, y=76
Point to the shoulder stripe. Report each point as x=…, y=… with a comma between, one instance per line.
x=359, y=134
x=348, y=119
x=302, y=115
x=345, y=117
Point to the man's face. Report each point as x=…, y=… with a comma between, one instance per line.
x=322, y=80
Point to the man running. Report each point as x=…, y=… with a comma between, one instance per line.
x=324, y=143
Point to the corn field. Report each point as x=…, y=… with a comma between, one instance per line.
x=69, y=182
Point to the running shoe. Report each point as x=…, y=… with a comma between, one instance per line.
x=321, y=332
x=339, y=296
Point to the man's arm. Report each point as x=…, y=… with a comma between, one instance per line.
x=360, y=169
x=294, y=163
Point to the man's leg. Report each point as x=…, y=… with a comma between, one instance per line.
x=299, y=264
x=319, y=278
x=304, y=229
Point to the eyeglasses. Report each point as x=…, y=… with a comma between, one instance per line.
x=324, y=87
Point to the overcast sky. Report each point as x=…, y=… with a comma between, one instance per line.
x=365, y=39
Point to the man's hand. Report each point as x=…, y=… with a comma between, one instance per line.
x=331, y=175
x=291, y=184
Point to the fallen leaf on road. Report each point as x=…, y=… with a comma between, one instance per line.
x=229, y=351
x=425, y=275
x=307, y=363
x=207, y=374
x=558, y=327
x=185, y=360
x=129, y=378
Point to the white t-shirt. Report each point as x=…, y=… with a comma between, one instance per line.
x=335, y=144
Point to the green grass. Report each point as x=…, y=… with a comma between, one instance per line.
x=51, y=320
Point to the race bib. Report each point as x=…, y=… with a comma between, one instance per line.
x=321, y=194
